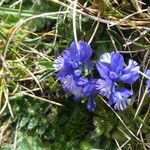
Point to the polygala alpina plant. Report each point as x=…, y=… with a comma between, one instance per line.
x=75, y=69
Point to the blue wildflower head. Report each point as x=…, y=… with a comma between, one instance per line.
x=74, y=61
x=72, y=65
x=112, y=69
x=111, y=66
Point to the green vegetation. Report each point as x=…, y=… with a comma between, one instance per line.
x=35, y=112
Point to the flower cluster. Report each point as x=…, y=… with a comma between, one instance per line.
x=111, y=68
x=72, y=66
x=74, y=70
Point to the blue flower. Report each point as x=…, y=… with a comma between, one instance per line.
x=72, y=65
x=119, y=97
x=74, y=61
x=111, y=66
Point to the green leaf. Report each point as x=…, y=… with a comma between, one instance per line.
x=30, y=142
x=45, y=64
x=33, y=123
x=24, y=121
x=6, y=148
x=17, y=96
x=24, y=144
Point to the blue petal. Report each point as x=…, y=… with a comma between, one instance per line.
x=74, y=52
x=69, y=85
x=113, y=76
x=111, y=99
x=91, y=105
x=148, y=73
x=103, y=70
x=105, y=58
x=120, y=105
x=66, y=54
x=131, y=73
x=80, y=52
x=123, y=93
x=90, y=88
x=129, y=78
x=104, y=87
x=88, y=65
x=68, y=66
x=85, y=50
x=148, y=81
x=77, y=72
x=61, y=74
x=83, y=81
x=58, y=63
x=120, y=97
x=132, y=66
x=66, y=70
x=117, y=63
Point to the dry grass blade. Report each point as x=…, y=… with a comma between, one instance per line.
x=3, y=129
x=128, y=16
x=6, y=95
x=3, y=107
x=136, y=137
x=15, y=3
x=119, y=148
x=147, y=113
x=1, y=3
x=114, y=21
x=139, y=106
x=74, y=22
x=144, y=75
x=1, y=86
x=133, y=41
x=32, y=75
x=33, y=50
x=15, y=138
x=95, y=30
